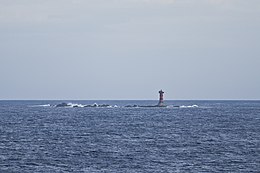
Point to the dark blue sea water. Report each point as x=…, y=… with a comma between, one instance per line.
x=214, y=136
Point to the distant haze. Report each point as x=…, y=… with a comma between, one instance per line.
x=129, y=49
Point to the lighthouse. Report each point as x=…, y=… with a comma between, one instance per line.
x=161, y=98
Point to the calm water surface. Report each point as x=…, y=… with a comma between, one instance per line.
x=216, y=136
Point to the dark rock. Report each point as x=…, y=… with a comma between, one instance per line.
x=62, y=105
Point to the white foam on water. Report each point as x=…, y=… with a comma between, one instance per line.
x=71, y=105
x=189, y=106
x=75, y=105
x=46, y=105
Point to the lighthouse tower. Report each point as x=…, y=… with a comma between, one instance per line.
x=161, y=98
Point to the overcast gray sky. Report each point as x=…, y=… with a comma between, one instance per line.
x=129, y=49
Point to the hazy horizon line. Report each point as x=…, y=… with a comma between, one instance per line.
x=128, y=100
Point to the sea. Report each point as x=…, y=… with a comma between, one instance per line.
x=186, y=136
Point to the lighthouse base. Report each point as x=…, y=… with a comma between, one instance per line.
x=160, y=104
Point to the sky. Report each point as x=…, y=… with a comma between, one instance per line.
x=129, y=49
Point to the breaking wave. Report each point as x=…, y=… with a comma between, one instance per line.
x=95, y=105
x=191, y=106
x=75, y=105
x=45, y=105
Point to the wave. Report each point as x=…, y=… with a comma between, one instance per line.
x=190, y=106
x=45, y=105
x=77, y=105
